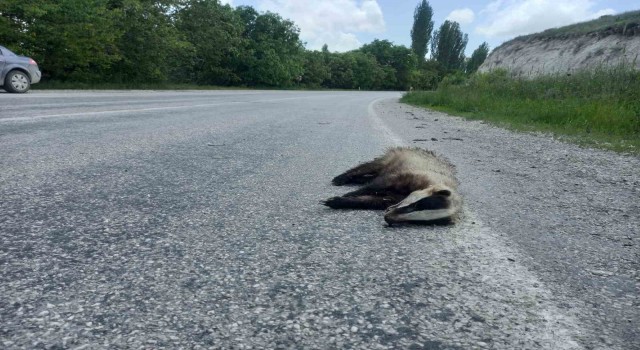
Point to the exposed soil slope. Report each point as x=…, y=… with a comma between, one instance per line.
x=607, y=41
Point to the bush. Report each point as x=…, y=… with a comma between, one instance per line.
x=456, y=78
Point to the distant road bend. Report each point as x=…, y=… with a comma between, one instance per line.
x=191, y=219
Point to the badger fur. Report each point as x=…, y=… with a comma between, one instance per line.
x=412, y=184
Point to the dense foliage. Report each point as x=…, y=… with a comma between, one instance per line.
x=138, y=42
x=448, y=45
x=477, y=58
x=422, y=29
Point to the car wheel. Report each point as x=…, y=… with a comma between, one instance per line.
x=17, y=81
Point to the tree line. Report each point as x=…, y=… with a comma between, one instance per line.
x=206, y=42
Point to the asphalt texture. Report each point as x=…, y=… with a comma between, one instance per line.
x=168, y=220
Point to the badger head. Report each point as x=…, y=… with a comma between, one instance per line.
x=433, y=205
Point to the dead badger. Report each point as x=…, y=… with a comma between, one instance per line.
x=412, y=184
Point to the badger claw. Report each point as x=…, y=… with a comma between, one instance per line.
x=331, y=202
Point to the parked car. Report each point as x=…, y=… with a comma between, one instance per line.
x=17, y=73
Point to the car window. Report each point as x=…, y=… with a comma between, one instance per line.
x=6, y=52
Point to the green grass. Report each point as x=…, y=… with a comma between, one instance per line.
x=600, y=108
x=627, y=23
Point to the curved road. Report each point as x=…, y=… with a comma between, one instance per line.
x=191, y=220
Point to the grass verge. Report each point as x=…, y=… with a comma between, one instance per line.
x=598, y=108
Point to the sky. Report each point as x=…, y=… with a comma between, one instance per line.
x=348, y=24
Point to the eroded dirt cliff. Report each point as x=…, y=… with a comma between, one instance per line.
x=565, y=50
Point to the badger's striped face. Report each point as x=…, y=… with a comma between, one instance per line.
x=431, y=205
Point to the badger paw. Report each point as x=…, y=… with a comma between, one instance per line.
x=340, y=180
x=334, y=202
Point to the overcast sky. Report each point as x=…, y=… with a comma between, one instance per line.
x=347, y=24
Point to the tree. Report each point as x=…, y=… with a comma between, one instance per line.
x=326, y=55
x=149, y=42
x=448, y=45
x=215, y=32
x=341, y=76
x=68, y=38
x=477, y=58
x=316, y=71
x=422, y=28
x=396, y=60
x=427, y=76
x=367, y=72
x=274, y=53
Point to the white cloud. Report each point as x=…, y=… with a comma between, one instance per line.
x=510, y=18
x=338, y=41
x=462, y=16
x=227, y=2
x=334, y=22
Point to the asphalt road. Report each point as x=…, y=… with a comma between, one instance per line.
x=150, y=220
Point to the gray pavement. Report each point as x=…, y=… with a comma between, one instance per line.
x=153, y=220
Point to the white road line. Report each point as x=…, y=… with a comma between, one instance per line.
x=380, y=126
x=516, y=284
x=105, y=103
x=551, y=326
x=48, y=94
x=118, y=111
